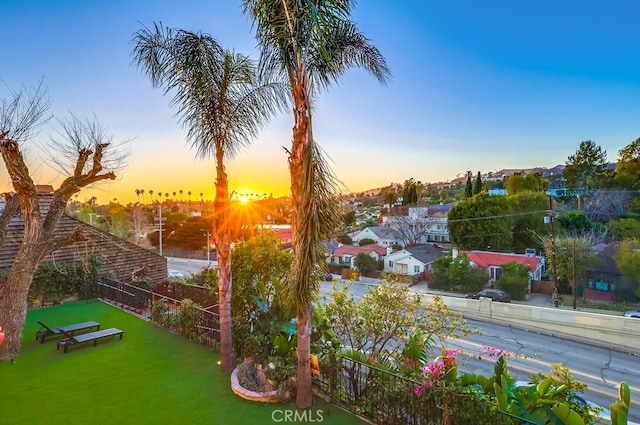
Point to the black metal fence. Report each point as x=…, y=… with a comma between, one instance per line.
x=386, y=398
x=179, y=316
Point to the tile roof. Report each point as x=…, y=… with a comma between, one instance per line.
x=355, y=250
x=486, y=259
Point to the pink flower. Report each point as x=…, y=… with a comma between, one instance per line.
x=417, y=391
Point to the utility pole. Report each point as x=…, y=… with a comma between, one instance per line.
x=574, y=274
x=160, y=213
x=556, y=296
x=208, y=235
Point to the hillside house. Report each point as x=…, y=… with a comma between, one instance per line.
x=493, y=261
x=382, y=236
x=345, y=254
x=413, y=260
x=421, y=224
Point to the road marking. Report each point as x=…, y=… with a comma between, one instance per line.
x=542, y=363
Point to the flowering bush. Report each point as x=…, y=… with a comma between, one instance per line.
x=441, y=372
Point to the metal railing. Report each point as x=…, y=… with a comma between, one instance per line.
x=178, y=316
x=386, y=398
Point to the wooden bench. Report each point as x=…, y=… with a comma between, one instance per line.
x=70, y=339
x=46, y=331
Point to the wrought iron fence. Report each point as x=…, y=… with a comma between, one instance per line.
x=386, y=398
x=179, y=316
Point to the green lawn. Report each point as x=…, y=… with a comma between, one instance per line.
x=151, y=376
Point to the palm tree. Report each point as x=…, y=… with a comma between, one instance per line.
x=189, y=195
x=223, y=105
x=311, y=44
x=151, y=195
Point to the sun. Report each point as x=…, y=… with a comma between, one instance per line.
x=244, y=199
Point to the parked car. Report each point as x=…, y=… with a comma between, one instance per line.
x=327, y=276
x=632, y=313
x=174, y=274
x=495, y=295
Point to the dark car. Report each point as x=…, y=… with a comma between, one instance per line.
x=632, y=313
x=327, y=276
x=495, y=295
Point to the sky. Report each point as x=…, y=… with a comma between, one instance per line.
x=477, y=86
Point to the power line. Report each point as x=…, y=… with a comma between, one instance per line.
x=498, y=216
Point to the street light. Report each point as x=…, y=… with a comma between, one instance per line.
x=208, y=251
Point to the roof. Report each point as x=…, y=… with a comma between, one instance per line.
x=486, y=259
x=284, y=234
x=355, y=250
x=426, y=253
x=384, y=232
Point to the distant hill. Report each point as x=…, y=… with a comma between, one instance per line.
x=491, y=175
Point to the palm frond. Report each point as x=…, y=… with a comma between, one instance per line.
x=219, y=98
x=316, y=219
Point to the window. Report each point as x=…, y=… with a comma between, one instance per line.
x=495, y=272
x=390, y=263
x=416, y=269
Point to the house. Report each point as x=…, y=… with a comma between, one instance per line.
x=285, y=236
x=421, y=224
x=345, y=254
x=382, y=236
x=604, y=279
x=413, y=260
x=493, y=261
x=123, y=260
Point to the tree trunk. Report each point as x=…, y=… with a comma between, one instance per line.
x=304, y=396
x=222, y=235
x=301, y=138
x=13, y=302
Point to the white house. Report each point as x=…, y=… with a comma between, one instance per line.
x=383, y=236
x=421, y=224
x=413, y=260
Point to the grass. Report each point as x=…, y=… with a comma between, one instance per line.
x=151, y=376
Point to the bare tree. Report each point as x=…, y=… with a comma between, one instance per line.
x=81, y=151
x=603, y=205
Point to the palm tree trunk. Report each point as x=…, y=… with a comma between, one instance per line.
x=304, y=391
x=223, y=246
x=304, y=396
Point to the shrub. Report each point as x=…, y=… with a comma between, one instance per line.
x=366, y=241
x=514, y=279
x=189, y=316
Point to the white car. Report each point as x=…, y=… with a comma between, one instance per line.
x=174, y=274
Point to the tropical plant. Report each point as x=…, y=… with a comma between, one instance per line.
x=222, y=104
x=312, y=44
x=620, y=408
